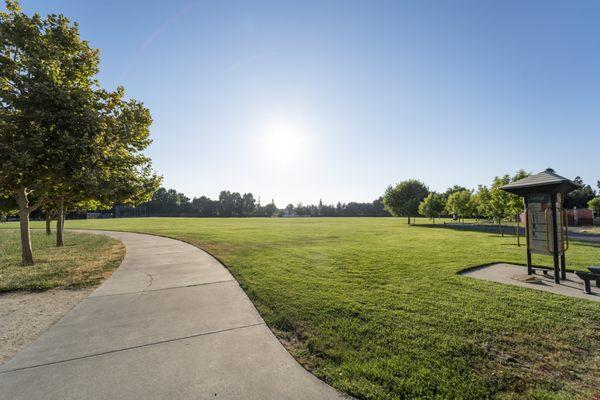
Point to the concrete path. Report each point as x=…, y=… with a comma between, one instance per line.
x=170, y=323
x=582, y=237
x=512, y=274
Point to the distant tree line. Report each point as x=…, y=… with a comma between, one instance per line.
x=351, y=209
x=170, y=202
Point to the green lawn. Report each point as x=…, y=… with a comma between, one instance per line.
x=375, y=307
x=85, y=260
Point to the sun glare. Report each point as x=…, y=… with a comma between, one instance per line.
x=284, y=140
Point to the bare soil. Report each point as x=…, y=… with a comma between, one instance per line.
x=26, y=315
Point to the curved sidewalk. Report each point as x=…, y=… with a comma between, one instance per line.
x=170, y=323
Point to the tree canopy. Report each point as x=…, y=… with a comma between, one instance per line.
x=594, y=204
x=460, y=204
x=63, y=139
x=579, y=197
x=432, y=206
x=403, y=199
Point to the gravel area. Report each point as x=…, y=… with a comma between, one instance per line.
x=26, y=315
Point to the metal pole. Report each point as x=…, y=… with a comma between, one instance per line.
x=565, y=237
x=529, y=266
x=555, y=239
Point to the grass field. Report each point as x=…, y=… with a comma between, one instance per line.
x=85, y=260
x=375, y=307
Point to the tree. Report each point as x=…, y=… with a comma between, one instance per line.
x=248, y=205
x=594, y=204
x=114, y=169
x=8, y=206
x=493, y=203
x=453, y=189
x=481, y=200
x=168, y=202
x=460, y=204
x=270, y=209
x=515, y=204
x=71, y=143
x=432, y=206
x=46, y=75
x=499, y=200
x=205, y=207
x=289, y=209
x=579, y=197
x=230, y=204
x=403, y=199
x=48, y=216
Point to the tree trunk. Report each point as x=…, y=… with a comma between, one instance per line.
x=27, y=253
x=48, y=220
x=409, y=220
x=500, y=227
x=60, y=221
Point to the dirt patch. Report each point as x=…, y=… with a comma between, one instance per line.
x=26, y=315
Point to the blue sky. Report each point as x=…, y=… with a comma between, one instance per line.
x=299, y=101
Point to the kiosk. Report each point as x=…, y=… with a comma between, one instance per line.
x=546, y=223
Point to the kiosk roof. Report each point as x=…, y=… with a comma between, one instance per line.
x=544, y=182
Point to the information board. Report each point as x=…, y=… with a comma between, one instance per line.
x=539, y=225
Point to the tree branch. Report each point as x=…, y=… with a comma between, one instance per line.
x=36, y=205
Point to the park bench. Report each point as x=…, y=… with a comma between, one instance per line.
x=587, y=277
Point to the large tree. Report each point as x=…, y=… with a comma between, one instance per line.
x=46, y=76
x=63, y=140
x=403, y=199
x=115, y=171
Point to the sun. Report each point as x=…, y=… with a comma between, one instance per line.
x=284, y=139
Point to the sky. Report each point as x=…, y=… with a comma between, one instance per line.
x=298, y=101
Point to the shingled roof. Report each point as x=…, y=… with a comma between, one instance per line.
x=546, y=182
